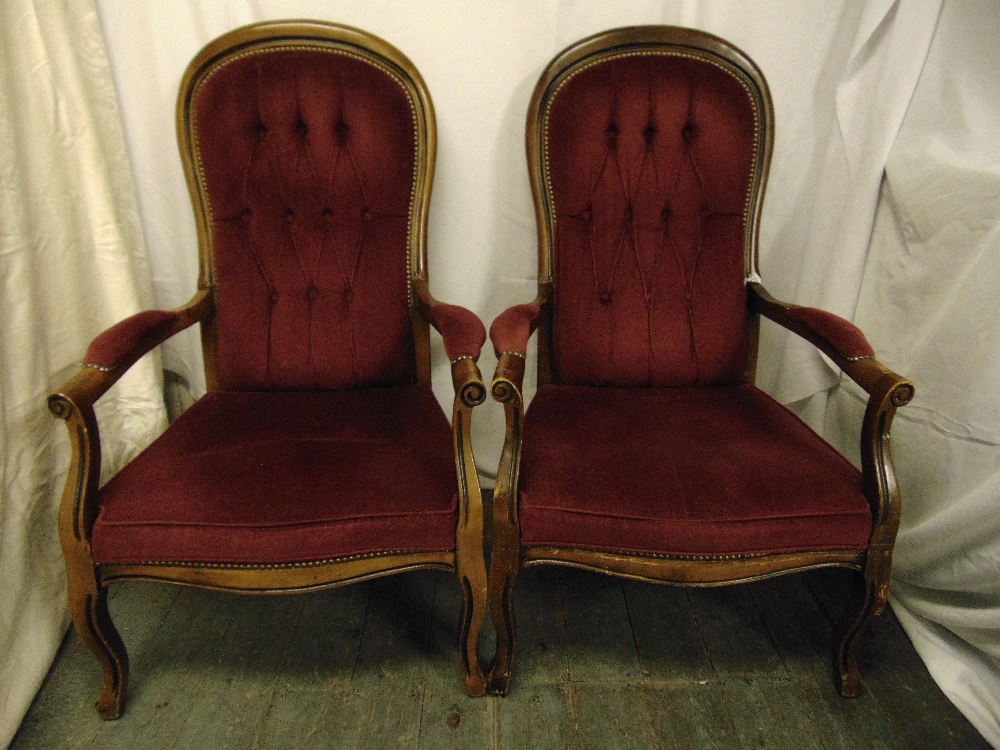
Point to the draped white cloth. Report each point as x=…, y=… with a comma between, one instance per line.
x=72, y=262
x=930, y=301
x=842, y=74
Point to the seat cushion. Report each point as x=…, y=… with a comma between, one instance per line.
x=683, y=471
x=271, y=478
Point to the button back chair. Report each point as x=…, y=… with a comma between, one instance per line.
x=319, y=456
x=647, y=452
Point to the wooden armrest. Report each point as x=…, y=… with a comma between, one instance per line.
x=108, y=358
x=509, y=334
x=513, y=327
x=115, y=350
x=846, y=346
x=461, y=329
x=839, y=339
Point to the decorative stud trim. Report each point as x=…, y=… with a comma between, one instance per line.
x=275, y=566
x=732, y=71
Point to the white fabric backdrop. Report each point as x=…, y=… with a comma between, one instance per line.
x=842, y=74
x=930, y=301
x=72, y=262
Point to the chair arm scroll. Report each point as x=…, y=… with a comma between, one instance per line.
x=468, y=381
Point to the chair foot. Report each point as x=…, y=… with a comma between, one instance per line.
x=499, y=679
x=502, y=611
x=93, y=622
x=867, y=602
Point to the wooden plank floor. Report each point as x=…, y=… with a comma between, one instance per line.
x=602, y=663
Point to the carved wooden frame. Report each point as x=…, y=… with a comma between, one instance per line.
x=74, y=402
x=886, y=389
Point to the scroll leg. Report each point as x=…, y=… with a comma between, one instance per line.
x=867, y=602
x=470, y=627
x=89, y=609
x=503, y=573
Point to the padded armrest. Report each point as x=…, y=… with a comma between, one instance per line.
x=841, y=334
x=839, y=339
x=513, y=327
x=112, y=347
x=462, y=331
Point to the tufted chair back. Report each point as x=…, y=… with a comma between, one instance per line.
x=648, y=158
x=309, y=161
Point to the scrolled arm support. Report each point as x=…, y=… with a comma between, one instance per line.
x=468, y=382
x=108, y=358
x=508, y=378
x=113, y=352
x=506, y=388
x=887, y=391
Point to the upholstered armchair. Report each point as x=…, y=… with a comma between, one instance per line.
x=319, y=456
x=647, y=451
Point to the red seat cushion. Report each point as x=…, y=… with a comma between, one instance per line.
x=683, y=471
x=269, y=478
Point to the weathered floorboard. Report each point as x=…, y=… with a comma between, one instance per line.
x=602, y=663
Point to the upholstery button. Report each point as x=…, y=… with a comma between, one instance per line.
x=260, y=129
x=289, y=215
x=348, y=295
x=366, y=215
x=587, y=214
x=649, y=132
x=605, y=297
x=274, y=297
x=628, y=213
x=665, y=213
x=341, y=131
x=688, y=132
x=246, y=216
x=328, y=214
x=301, y=128
x=312, y=293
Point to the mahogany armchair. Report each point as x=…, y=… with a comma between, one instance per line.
x=319, y=456
x=647, y=451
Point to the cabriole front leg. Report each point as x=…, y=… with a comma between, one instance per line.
x=88, y=599
x=89, y=609
x=470, y=558
x=506, y=559
x=867, y=601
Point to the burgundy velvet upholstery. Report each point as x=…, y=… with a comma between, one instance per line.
x=650, y=163
x=511, y=330
x=113, y=345
x=308, y=157
x=461, y=330
x=260, y=478
x=843, y=335
x=683, y=471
